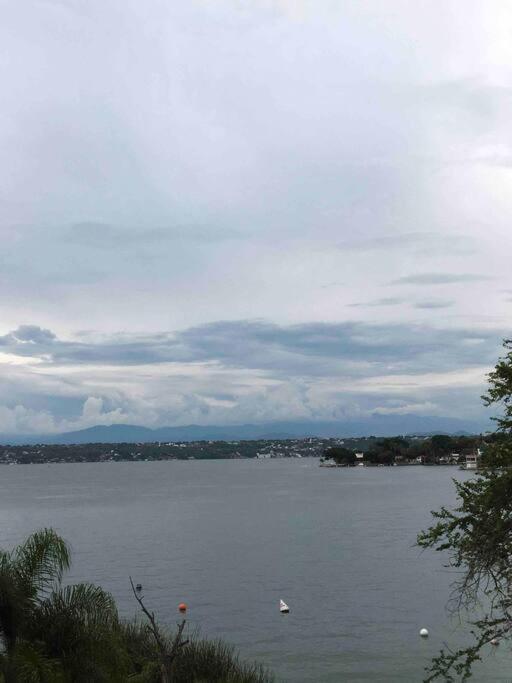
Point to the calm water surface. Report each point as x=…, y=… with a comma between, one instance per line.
x=232, y=537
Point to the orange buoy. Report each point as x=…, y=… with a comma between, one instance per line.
x=182, y=607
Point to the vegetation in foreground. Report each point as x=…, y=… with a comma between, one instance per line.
x=477, y=536
x=55, y=633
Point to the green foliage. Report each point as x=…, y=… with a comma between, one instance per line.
x=79, y=625
x=500, y=389
x=199, y=661
x=26, y=575
x=386, y=451
x=477, y=537
x=30, y=664
x=434, y=450
x=216, y=662
x=340, y=455
x=442, y=443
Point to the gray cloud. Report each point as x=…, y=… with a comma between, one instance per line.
x=309, y=349
x=386, y=242
x=433, y=305
x=243, y=371
x=105, y=236
x=423, y=241
x=439, y=278
x=31, y=334
x=385, y=301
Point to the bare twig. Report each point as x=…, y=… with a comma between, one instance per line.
x=167, y=655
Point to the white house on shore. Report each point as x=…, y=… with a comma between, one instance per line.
x=473, y=460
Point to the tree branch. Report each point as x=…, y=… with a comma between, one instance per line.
x=167, y=655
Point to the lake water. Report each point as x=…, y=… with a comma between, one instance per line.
x=232, y=537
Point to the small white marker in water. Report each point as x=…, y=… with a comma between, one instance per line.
x=494, y=641
x=424, y=633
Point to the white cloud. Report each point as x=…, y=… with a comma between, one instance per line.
x=23, y=420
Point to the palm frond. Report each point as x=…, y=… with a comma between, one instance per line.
x=85, y=603
x=78, y=624
x=11, y=609
x=33, y=666
x=41, y=560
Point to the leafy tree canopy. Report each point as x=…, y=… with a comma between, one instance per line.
x=340, y=455
x=442, y=442
x=477, y=535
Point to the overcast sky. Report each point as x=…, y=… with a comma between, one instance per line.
x=221, y=212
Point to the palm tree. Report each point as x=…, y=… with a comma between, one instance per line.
x=27, y=574
x=79, y=627
x=52, y=633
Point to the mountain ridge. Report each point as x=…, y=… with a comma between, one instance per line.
x=375, y=425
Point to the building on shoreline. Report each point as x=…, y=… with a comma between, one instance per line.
x=473, y=460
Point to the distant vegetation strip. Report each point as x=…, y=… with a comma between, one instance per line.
x=437, y=449
x=190, y=450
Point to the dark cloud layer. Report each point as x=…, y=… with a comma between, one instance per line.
x=315, y=349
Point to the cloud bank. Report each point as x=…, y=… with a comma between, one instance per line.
x=240, y=371
x=228, y=212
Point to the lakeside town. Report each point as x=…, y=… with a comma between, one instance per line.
x=438, y=449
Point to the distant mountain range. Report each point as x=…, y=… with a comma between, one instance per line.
x=376, y=425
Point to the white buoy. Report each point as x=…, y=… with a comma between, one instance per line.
x=424, y=633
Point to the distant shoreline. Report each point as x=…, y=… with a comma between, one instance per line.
x=440, y=450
